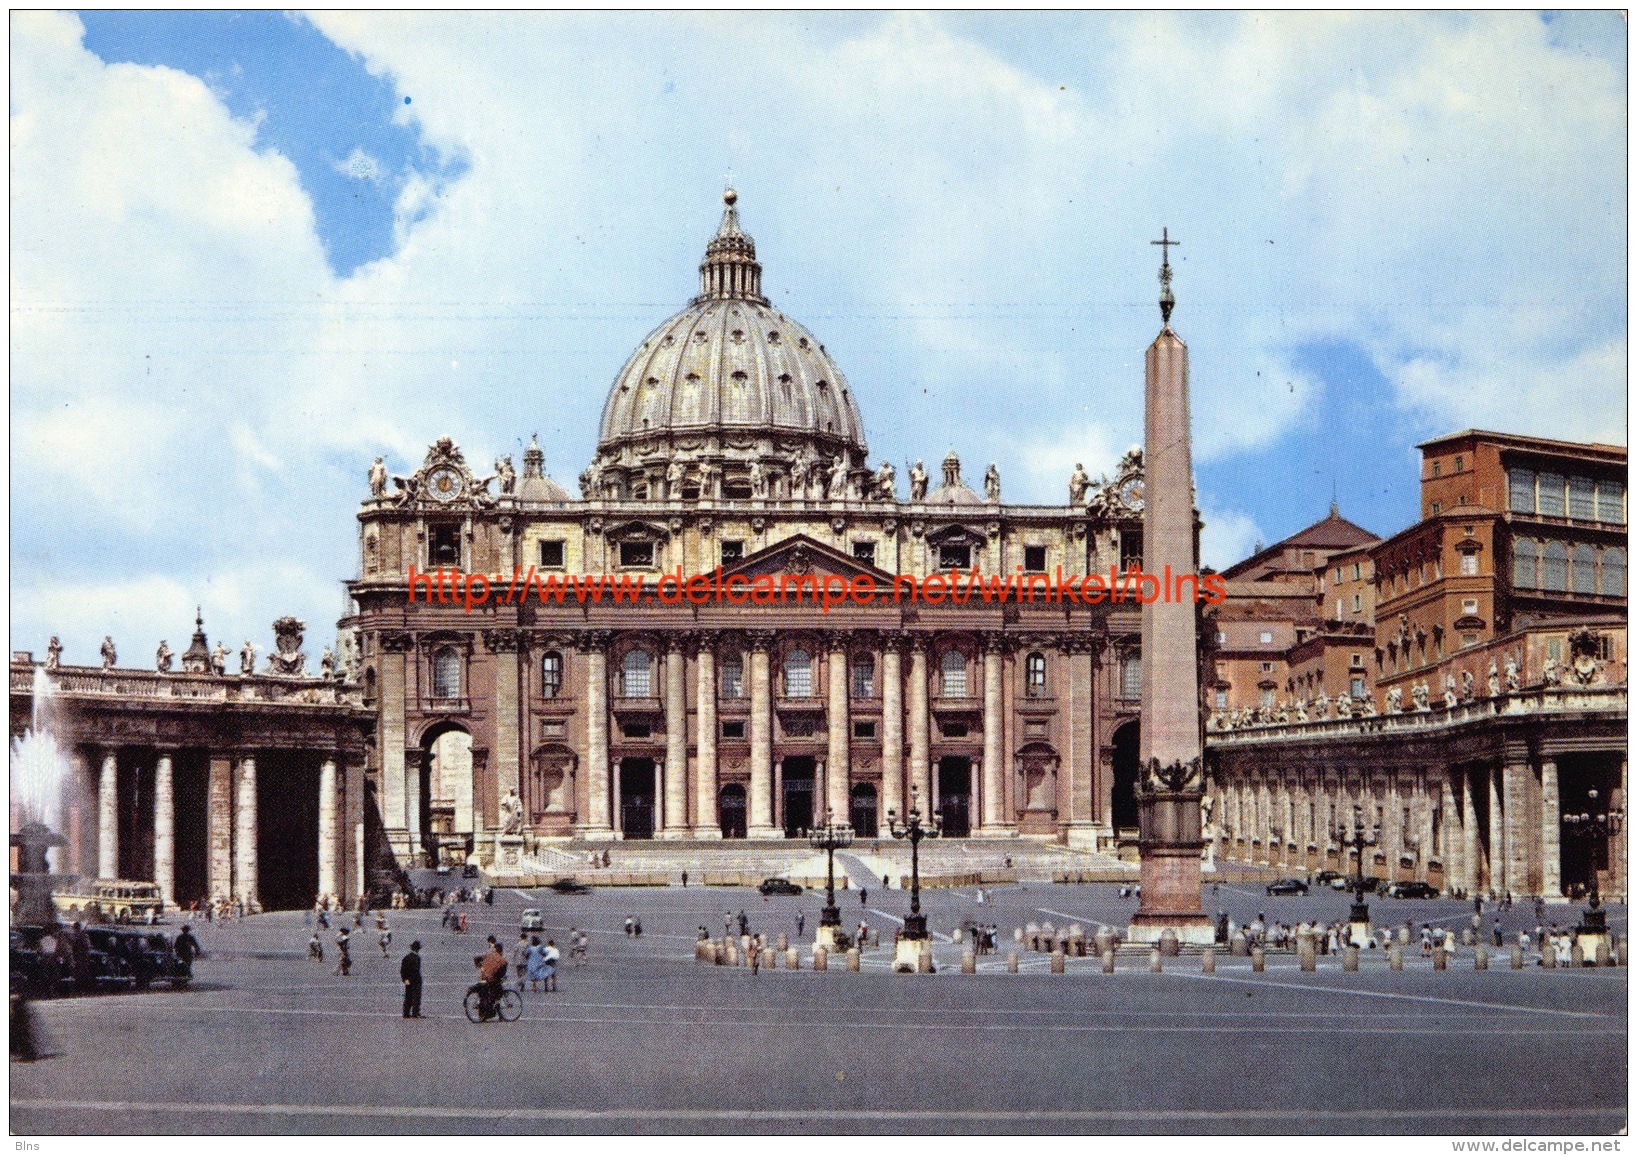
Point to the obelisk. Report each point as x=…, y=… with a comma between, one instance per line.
x=1170, y=781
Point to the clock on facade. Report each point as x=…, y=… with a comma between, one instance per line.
x=444, y=483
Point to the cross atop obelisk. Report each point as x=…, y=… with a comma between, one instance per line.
x=1167, y=301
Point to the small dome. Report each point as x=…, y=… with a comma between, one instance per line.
x=953, y=491
x=534, y=485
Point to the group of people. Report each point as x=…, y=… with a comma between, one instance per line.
x=535, y=963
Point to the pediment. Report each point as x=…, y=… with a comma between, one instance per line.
x=801, y=554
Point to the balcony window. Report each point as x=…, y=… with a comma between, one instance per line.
x=446, y=673
x=1034, y=559
x=1520, y=488
x=1582, y=499
x=864, y=676
x=1131, y=676
x=1611, y=502
x=952, y=674
x=636, y=675
x=551, y=674
x=1554, y=567
x=1469, y=565
x=732, y=682
x=1221, y=699
x=1551, y=495
x=954, y=557
x=864, y=551
x=798, y=674
x=1611, y=581
x=636, y=554
x=1034, y=679
x=1583, y=569
x=1524, y=554
x=443, y=544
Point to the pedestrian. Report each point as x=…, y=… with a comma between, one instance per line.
x=801, y=923
x=863, y=895
x=410, y=971
x=536, y=964
x=684, y=880
x=187, y=949
x=552, y=955
x=584, y=947
x=315, y=949
x=884, y=883
x=636, y=927
x=727, y=923
x=863, y=934
x=463, y=926
x=629, y=922
x=385, y=937
x=520, y=958
x=343, y=945
x=1498, y=938
x=744, y=924
x=756, y=954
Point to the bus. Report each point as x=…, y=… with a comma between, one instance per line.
x=109, y=900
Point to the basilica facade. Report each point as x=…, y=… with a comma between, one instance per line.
x=732, y=445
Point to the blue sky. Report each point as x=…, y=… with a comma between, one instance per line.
x=251, y=251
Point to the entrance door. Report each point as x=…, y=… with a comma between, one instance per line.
x=798, y=796
x=863, y=811
x=637, y=797
x=1123, y=799
x=955, y=796
x=731, y=805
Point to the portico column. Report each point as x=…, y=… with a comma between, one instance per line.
x=920, y=737
x=1515, y=782
x=108, y=816
x=1453, y=849
x=892, y=727
x=761, y=738
x=219, y=827
x=1423, y=802
x=838, y=712
x=329, y=830
x=1472, y=844
x=594, y=822
x=164, y=828
x=1497, y=833
x=244, y=833
x=994, y=750
x=1395, y=844
x=676, y=741
x=707, y=823
x=1551, y=818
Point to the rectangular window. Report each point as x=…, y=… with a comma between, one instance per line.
x=1267, y=637
x=1611, y=502
x=1554, y=649
x=1459, y=464
x=1130, y=549
x=731, y=684
x=1469, y=640
x=1336, y=579
x=733, y=729
x=1355, y=687
x=954, y=729
x=1267, y=667
x=1267, y=697
x=864, y=678
x=1131, y=677
x=1034, y=559
x=1358, y=603
x=1469, y=605
x=864, y=551
x=1582, y=499
x=1221, y=699
x=1356, y=571
x=1438, y=469
x=1551, y=495
x=1469, y=565
x=636, y=554
x=732, y=551
x=551, y=675
x=1520, y=488
x=864, y=729
x=954, y=557
x=443, y=544
x=1338, y=607
x=551, y=555
x=1438, y=507
x=1357, y=662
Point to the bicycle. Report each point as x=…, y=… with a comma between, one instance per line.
x=508, y=1006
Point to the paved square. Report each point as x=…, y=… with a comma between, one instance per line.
x=645, y=1039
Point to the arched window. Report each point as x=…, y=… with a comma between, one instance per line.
x=636, y=675
x=1034, y=679
x=446, y=673
x=864, y=676
x=551, y=674
x=798, y=674
x=1524, y=553
x=1612, y=580
x=1583, y=570
x=731, y=683
x=369, y=684
x=952, y=674
x=1554, y=567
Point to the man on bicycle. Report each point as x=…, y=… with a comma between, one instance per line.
x=491, y=970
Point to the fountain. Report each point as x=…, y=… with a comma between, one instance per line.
x=38, y=771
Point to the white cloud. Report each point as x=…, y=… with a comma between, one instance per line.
x=1228, y=537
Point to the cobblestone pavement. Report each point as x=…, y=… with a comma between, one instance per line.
x=644, y=1039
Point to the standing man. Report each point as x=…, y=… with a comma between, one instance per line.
x=187, y=949
x=551, y=957
x=684, y=880
x=801, y=923
x=343, y=945
x=410, y=971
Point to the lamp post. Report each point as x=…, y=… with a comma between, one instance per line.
x=830, y=837
x=1358, y=838
x=1595, y=828
x=914, y=932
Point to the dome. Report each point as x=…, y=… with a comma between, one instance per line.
x=730, y=378
x=953, y=491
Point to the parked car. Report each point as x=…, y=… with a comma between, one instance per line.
x=112, y=958
x=531, y=920
x=152, y=959
x=1287, y=886
x=1334, y=879
x=569, y=886
x=778, y=886
x=470, y=870
x=34, y=969
x=1415, y=889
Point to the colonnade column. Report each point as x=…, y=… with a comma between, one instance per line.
x=329, y=829
x=164, y=827
x=920, y=736
x=108, y=816
x=1551, y=818
x=595, y=823
x=244, y=834
x=219, y=827
x=1453, y=849
x=1423, y=802
x=707, y=822
x=1472, y=844
x=837, y=711
x=676, y=741
x=892, y=723
x=1497, y=833
x=761, y=738
x=994, y=749
x=1515, y=781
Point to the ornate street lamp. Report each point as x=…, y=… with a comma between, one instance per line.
x=1595, y=828
x=914, y=932
x=1358, y=838
x=830, y=837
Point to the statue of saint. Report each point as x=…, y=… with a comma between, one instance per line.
x=507, y=474
x=839, y=469
x=1551, y=672
x=326, y=664
x=511, y=813
x=247, y=658
x=886, y=482
x=1513, y=677
x=1395, y=700
x=1467, y=684
x=758, y=481
x=218, y=659
x=917, y=482
x=162, y=660
x=109, y=657
x=801, y=470
x=378, y=478
x=1079, y=484
x=1344, y=705
x=1420, y=694
x=53, y=653
x=1494, y=679
x=991, y=483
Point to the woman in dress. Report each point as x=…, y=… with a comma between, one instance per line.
x=538, y=971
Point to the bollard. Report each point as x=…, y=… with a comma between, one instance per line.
x=923, y=961
x=1017, y=935
x=1548, y=954
x=732, y=955
x=1517, y=957
x=1440, y=960
x=1156, y=960
x=1108, y=961
x=1105, y=940
x=1601, y=956
x=769, y=958
x=1468, y=938
x=1620, y=951
x=1307, y=951
x=1034, y=936
x=955, y=935
x=1349, y=958
x=1395, y=958
x=1480, y=958
x=852, y=959
x=1207, y=962
x=783, y=942
x=1011, y=962
x=1403, y=936
x=969, y=963
x=821, y=959
x=1240, y=946
x=1169, y=945
x=1577, y=957
x=1057, y=962
x=744, y=945
x=792, y=959
x=1258, y=960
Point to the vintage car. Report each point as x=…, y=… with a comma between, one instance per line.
x=532, y=920
x=778, y=886
x=569, y=886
